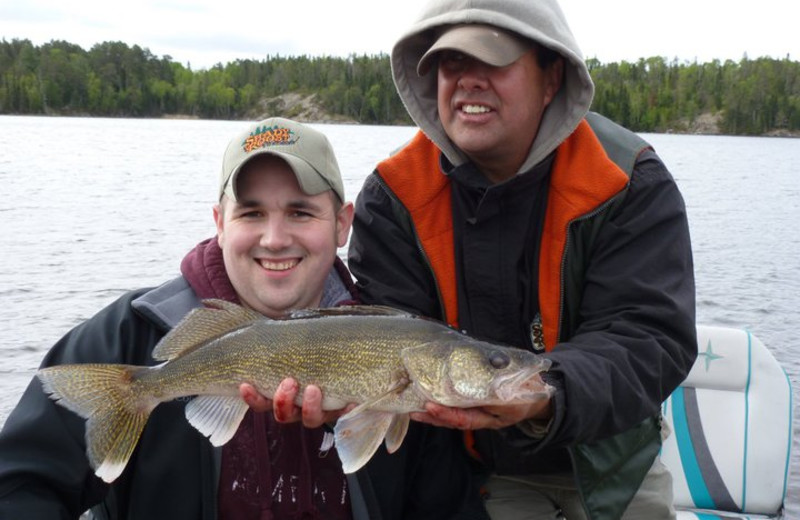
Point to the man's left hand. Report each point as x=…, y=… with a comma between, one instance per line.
x=491, y=417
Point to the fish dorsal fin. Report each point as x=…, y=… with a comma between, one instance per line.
x=202, y=325
x=216, y=416
x=347, y=310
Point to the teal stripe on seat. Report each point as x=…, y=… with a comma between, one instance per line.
x=712, y=516
x=691, y=468
x=747, y=419
x=697, y=455
x=789, y=443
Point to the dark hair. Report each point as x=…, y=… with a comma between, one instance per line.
x=545, y=56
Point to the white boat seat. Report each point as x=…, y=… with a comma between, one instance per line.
x=731, y=422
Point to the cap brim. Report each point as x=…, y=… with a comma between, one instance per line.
x=484, y=43
x=309, y=179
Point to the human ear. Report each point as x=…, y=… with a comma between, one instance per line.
x=554, y=75
x=344, y=221
x=219, y=220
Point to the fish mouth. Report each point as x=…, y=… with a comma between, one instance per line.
x=521, y=386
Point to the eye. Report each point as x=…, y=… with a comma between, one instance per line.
x=499, y=359
x=452, y=60
x=449, y=55
x=249, y=214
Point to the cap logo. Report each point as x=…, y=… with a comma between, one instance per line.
x=269, y=136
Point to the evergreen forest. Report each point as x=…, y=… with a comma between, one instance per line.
x=750, y=97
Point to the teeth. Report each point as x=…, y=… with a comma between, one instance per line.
x=278, y=266
x=475, y=109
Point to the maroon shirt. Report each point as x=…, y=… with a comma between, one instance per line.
x=269, y=470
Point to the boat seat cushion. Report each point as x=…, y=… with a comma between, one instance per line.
x=731, y=424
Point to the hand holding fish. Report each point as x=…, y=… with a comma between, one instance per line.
x=282, y=404
x=485, y=417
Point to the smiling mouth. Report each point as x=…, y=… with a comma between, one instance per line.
x=283, y=265
x=475, y=109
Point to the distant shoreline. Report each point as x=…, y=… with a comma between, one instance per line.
x=703, y=125
x=112, y=79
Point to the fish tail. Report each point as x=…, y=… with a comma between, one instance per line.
x=115, y=407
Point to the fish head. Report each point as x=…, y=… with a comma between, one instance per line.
x=463, y=372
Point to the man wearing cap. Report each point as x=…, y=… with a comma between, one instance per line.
x=281, y=216
x=518, y=216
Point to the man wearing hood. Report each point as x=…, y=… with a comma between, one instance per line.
x=518, y=216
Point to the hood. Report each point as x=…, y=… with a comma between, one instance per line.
x=541, y=21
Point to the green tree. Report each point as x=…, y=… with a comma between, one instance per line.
x=114, y=79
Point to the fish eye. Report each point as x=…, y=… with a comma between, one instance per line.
x=499, y=359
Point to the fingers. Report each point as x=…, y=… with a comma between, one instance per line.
x=254, y=400
x=283, y=406
x=493, y=417
x=312, y=414
x=458, y=418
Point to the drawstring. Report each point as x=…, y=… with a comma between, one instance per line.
x=264, y=465
x=306, y=509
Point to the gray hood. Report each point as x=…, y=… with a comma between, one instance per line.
x=538, y=20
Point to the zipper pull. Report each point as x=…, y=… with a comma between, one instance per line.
x=537, y=333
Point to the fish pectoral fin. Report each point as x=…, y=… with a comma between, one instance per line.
x=357, y=436
x=397, y=432
x=215, y=416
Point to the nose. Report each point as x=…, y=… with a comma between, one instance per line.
x=275, y=235
x=474, y=75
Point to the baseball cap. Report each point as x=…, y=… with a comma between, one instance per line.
x=486, y=43
x=307, y=151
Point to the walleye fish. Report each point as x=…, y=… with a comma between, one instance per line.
x=389, y=362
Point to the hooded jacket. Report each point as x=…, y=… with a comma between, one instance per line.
x=174, y=472
x=606, y=274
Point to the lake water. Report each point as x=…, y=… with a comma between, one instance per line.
x=94, y=207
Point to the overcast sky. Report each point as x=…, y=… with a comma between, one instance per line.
x=206, y=32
